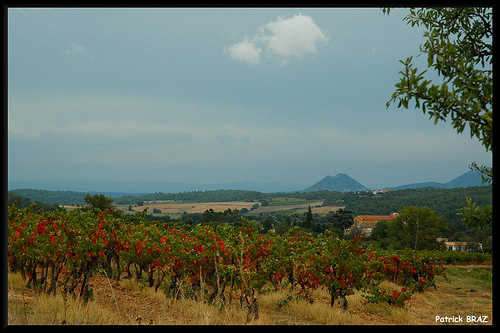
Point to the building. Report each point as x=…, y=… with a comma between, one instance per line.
x=461, y=246
x=381, y=191
x=366, y=223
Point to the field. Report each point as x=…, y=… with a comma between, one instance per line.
x=175, y=208
x=129, y=302
x=281, y=205
x=59, y=263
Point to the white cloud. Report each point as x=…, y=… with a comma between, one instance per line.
x=245, y=51
x=294, y=37
x=290, y=38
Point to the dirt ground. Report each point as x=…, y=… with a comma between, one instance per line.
x=174, y=208
x=178, y=208
x=131, y=302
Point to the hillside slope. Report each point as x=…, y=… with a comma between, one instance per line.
x=341, y=183
x=470, y=178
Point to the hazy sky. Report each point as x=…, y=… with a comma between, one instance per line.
x=220, y=95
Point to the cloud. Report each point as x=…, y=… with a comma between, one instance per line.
x=294, y=37
x=285, y=39
x=77, y=51
x=245, y=51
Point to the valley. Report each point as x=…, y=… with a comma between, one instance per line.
x=276, y=206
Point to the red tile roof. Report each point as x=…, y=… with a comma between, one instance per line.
x=375, y=218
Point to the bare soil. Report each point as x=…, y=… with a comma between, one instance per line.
x=134, y=303
x=194, y=207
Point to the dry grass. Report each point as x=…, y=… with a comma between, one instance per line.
x=173, y=208
x=137, y=304
x=194, y=207
x=28, y=308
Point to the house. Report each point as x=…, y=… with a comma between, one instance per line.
x=366, y=223
x=375, y=218
x=461, y=246
x=380, y=191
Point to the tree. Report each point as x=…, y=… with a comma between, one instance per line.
x=381, y=235
x=342, y=219
x=459, y=48
x=211, y=216
x=230, y=216
x=477, y=217
x=308, y=223
x=284, y=226
x=267, y=225
x=416, y=228
x=22, y=202
x=100, y=203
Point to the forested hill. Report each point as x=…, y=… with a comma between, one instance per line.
x=446, y=202
x=46, y=196
x=72, y=197
x=199, y=196
x=60, y=197
x=438, y=199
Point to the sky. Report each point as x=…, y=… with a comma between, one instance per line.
x=218, y=95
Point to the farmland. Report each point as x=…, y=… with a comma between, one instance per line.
x=175, y=209
x=152, y=273
x=276, y=205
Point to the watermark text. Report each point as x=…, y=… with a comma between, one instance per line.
x=460, y=319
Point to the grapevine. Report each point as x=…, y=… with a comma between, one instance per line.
x=206, y=263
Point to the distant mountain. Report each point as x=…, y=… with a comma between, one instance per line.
x=417, y=185
x=340, y=183
x=470, y=178
x=141, y=187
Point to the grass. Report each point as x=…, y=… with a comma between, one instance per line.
x=468, y=293
x=28, y=308
x=130, y=302
x=280, y=201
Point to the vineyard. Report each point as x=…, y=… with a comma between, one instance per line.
x=64, y=250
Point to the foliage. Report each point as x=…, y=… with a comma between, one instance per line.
x=446, y=202
x=21, y=201
x=458, y=258
x=481, y=274
x=393, y=297
x=459, y=48
x=100, y=203
x=342, y=219
x=198, y=196
x=74, y=245
x=414, y=228
x=476, y=217
x=417, y=228
x=62, y=197
x=24, y=202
